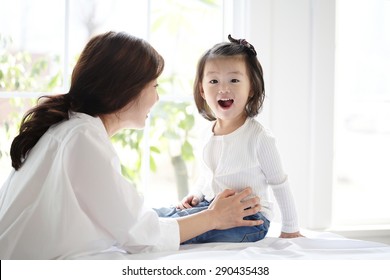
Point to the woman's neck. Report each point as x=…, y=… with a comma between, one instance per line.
x=111, y=124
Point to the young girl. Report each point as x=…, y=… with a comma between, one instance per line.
x=237, y=150
x=66, y=197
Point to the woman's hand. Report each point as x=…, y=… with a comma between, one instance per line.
x=188, y=202
x=229, y=208
x=290, y=235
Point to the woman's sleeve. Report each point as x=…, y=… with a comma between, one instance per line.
x=110, y=201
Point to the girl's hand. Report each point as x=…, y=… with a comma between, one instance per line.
x=290, y=235
x=188, y=202
x=229, y=208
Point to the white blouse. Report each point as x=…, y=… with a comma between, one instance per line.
x=70, y=200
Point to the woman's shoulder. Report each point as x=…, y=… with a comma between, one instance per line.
x=76, y=124
x=83, y=119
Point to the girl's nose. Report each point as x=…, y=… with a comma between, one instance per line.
x=224, y=89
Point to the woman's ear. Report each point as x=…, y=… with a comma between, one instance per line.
x=201, y=91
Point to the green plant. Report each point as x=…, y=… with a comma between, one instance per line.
x=22, y=72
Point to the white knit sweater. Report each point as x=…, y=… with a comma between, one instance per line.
x=247, y=157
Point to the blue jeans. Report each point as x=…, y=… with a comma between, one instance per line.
x=237, y=234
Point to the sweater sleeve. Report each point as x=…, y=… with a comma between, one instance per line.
x=276, y=177
x=197, y=188
x=284, y=197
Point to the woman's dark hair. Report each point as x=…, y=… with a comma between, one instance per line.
x=111, y=72
x=233, y=48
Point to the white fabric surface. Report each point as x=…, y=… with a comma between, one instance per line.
x=314, y=246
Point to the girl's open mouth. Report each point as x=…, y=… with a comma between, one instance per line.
x=226, y=103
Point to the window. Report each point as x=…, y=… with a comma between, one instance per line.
x=362, y=115
x=39, y=49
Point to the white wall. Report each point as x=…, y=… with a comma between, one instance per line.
x=295, y=44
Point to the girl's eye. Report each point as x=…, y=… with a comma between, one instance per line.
x=235, y=81
x=156, y=85
x=213, y=82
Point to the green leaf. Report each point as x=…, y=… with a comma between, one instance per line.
x=187, y=123
x=153, y=165
x=127, y=172
x=187, y=151
x=154, y=149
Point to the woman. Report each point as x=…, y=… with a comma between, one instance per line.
x=66, y=197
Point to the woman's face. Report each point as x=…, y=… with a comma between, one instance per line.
x=134, y=114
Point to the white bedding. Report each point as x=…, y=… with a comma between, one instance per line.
x=314, y=246
x=280, y=257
